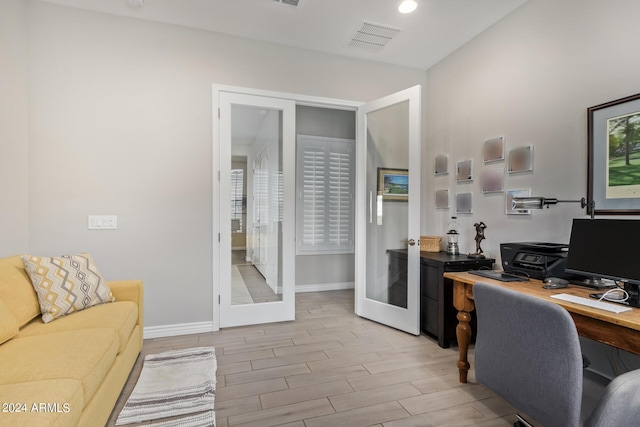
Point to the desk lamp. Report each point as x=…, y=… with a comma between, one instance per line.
x=541, y=202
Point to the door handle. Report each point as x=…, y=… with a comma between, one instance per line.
x=411, y=242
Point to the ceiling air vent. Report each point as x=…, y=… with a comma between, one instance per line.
x=372, y=36
x=289, y=2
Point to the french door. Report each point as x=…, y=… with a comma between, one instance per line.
x=257, y=248
x=388, y=214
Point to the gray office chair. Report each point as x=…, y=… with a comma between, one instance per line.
x=527, y=351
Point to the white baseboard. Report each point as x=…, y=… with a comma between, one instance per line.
x=179, y=329
x=325, y=287
x=203, y=327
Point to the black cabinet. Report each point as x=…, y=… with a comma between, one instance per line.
x=398, y=278
x=437, y=314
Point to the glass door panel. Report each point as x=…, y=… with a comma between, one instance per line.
x=387, y=287
x=257, y=155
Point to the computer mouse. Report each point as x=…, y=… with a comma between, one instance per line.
x=555, y=283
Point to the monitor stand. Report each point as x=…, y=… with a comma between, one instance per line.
x=592, y=282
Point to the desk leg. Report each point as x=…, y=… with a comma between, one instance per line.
x=464, y=305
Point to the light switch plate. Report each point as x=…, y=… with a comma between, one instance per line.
x=103, y=222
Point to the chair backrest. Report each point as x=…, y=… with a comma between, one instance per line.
x=620, y=404
x=527, y=351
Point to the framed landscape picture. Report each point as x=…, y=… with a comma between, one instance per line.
x=393, y=184
x=613, y=135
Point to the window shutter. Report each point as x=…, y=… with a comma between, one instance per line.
x=325, y=186
x=313, y=196
x=237, y=178
x=340, y=197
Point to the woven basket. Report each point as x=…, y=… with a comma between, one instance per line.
x=430, y=243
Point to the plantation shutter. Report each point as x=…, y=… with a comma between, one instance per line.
x=325, y=186
x=237, y=178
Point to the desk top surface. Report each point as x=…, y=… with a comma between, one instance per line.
x=628, y=319
x=445, y=257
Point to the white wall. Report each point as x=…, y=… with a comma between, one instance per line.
x=120, y=123
x=14, y=129
x=530, y=77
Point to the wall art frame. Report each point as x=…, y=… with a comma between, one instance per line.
x=464, y=171
x=442, y=199
x=393, y=184
x=492, y=180
x=441, y=165
x=493, y=150
x=509, y=195
x=521, y=159
x=613, y=157
x=464, y=203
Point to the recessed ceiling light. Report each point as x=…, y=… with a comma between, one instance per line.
x=408, y=6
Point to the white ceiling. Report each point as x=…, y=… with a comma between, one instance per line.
x=433, y=31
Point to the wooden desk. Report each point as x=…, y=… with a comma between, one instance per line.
x=437, y=314
x=617, y=330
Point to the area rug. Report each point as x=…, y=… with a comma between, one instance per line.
x=206, y=419
x=171, y=384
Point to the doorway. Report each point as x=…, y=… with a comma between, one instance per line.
x=270, y=223
x=248, y=283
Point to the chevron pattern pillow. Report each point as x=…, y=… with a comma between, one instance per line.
x=66, y=284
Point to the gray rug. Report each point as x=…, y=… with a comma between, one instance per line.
x=171, y=384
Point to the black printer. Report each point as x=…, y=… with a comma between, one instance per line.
x=537, y=260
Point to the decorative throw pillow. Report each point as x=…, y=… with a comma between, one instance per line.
x=66, y=284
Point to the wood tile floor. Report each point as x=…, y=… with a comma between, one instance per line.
x=330, y=367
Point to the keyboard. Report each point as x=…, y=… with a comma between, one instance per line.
x=590, y=302
x=498, y=275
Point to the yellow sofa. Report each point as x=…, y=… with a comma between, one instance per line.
x=70, y=371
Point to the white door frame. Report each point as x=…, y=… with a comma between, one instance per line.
x=312, y=101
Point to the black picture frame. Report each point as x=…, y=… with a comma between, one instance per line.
x=612, y=187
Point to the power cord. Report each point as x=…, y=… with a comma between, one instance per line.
x=605, y=296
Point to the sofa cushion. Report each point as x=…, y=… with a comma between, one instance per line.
x=121, y=316
x=8, y=324
x=85, y=356
x=16, y=290
x=66, y=284
x=56, y=403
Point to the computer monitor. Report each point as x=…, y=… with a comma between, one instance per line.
x=605, y=248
